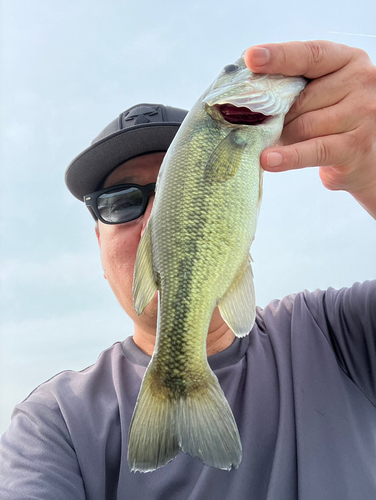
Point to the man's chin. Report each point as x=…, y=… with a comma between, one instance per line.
x=151, y=310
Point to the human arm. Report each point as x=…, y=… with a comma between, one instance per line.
x=347, y=317
x=333, y=122
x=37, y=457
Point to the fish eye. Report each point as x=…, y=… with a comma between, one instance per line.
x=230, y=68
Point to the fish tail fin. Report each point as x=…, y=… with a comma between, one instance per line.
x=206, y=427
x=152, y=442
x=200, y=423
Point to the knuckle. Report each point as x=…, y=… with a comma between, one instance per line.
x=370, y=144
x=282, y=56
x=359, y=54
x=299, y=104
x=305, y=127
x=296, y=158
x=348, y=151
x=321, y=152
x=371, y=109
x=361, y=143
x=369, y=76
x=354, y=144
x=368, y=118
x=316, y=51
x=363, y=111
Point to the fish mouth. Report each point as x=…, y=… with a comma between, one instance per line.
x=240, y=115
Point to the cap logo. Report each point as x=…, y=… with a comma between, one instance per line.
x=141, y=114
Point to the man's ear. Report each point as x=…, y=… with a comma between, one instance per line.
x=99, y=243
x=98, y=235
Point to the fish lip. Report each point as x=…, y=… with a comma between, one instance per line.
x=241, y=115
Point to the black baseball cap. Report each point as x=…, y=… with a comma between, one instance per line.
x=141, y=129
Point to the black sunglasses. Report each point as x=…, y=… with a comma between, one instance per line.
x=119, y=204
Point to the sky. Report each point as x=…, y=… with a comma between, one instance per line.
x=67, y=70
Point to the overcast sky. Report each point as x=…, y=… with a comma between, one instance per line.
x=67, y=70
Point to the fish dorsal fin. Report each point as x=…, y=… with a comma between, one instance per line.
x=238, y=306
x=144, y=284
x=224, y=161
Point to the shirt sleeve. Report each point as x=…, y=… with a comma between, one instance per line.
x=349, y=321
x=37, y=457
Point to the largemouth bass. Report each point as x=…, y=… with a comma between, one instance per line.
x=195, y=252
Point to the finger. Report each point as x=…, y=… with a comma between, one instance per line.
x=321, y=93
x=311, y=59
x=335, y=119
x=321, y=151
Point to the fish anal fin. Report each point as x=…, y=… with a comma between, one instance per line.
x=144, y=284
x=224, y=161
x=238, y=306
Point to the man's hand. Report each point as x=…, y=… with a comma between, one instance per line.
x=333, y=122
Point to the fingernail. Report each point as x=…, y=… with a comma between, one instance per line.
x=259, y=56
x=273, y=159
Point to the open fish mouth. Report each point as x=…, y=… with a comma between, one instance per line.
x=240, y=115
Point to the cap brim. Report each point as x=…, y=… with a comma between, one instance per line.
x=89, y=168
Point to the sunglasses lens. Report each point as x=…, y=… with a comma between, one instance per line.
x=120, y=206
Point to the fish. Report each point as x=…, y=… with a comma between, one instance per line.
x=195, y=251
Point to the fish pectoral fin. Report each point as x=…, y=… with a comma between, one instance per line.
x=224, y=161
x=144, y=284
x=238, y=306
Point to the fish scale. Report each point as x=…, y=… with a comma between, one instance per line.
x=195, y=252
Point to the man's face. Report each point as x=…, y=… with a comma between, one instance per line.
x=119, y=242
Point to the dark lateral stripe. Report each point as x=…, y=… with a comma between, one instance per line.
x=174, y=342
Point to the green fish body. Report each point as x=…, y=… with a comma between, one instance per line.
x=195, y=252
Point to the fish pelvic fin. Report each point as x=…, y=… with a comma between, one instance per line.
x=225, y=160
x=200, y=423
x=144, y=284
x=238, y=305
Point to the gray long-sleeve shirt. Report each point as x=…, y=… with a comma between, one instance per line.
x=302, y=387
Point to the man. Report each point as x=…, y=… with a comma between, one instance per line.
x=302, y=384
